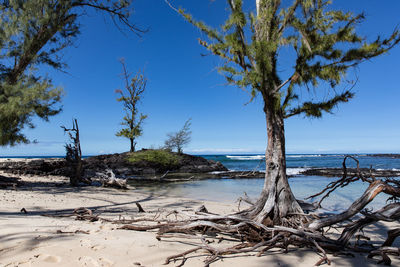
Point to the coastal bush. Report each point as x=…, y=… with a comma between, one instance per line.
x=159, y=157
x=179, y=139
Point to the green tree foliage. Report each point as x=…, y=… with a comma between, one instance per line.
x=32, y=33
x=179, y=139
x=324, y=41
x=324, y=46
x=133, y=93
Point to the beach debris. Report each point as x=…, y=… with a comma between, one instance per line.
x=108, y=179
x=24, y=210
x=139, y=207
x=318, y=232
x=202, y=208
x=83, y=214
x=73, y=232
x=314, y=231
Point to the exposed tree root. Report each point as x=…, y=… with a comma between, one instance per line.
x=297, y=230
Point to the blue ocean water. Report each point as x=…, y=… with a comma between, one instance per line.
x=229, y=190
x=296, y=161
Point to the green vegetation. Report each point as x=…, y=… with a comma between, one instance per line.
x=32, y=34
x=159, y=157
x=130, y=98
x=180, y=138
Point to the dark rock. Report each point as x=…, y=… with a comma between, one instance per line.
x=338, y=172
x=393, y=156
x=118, y=163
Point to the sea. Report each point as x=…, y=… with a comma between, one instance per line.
x=230, y=190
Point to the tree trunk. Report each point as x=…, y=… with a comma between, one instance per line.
x=276, y=201
x=132, y=145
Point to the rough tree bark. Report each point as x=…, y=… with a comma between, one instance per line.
x=276, y=200
x=74, y=154
x=133, y=144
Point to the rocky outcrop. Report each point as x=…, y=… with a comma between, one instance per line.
x=393, y=156
x=338, y=172
x=118, y=163
x=51, y=166
x=122, y=167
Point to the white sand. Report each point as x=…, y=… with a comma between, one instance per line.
x=31, y=240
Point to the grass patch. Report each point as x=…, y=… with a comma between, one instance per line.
x=158, y=157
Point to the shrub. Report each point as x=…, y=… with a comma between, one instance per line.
x=158, y=157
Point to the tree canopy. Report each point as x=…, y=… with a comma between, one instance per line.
x=323, y=40
x=179, y=139
x=130, y=97
x=32, y=34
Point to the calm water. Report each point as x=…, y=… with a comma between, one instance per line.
x=229, y=190
x=302, y=186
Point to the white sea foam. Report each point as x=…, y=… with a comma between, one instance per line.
x=254, y=157
x=218, y=172
x=294, y=171
x=303, y=156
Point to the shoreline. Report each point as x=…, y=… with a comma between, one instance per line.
x=34, y=240
x=98, y=168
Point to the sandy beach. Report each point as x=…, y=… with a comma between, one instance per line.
x=30, y=239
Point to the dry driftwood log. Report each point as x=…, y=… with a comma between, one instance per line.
x=295, y=230
x=306, y=230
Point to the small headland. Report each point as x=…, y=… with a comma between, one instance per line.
x=146, y=165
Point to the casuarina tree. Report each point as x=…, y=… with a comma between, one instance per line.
x=130, y=97
x=324, y=47
x=32, y=34
x=180, y=138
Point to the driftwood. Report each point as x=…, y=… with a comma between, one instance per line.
x=314, y=231
x=74, y=155
x=108, y=179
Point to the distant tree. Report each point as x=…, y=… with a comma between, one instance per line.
x=323, y=45
x=134, y=88
x=74, y=153
x=32, y=33
x=179, y=139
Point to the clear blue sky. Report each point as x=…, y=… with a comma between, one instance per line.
x=183, y=84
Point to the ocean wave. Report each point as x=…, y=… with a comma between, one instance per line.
x=253, y=157
x=295, y=171
x=304, y=156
